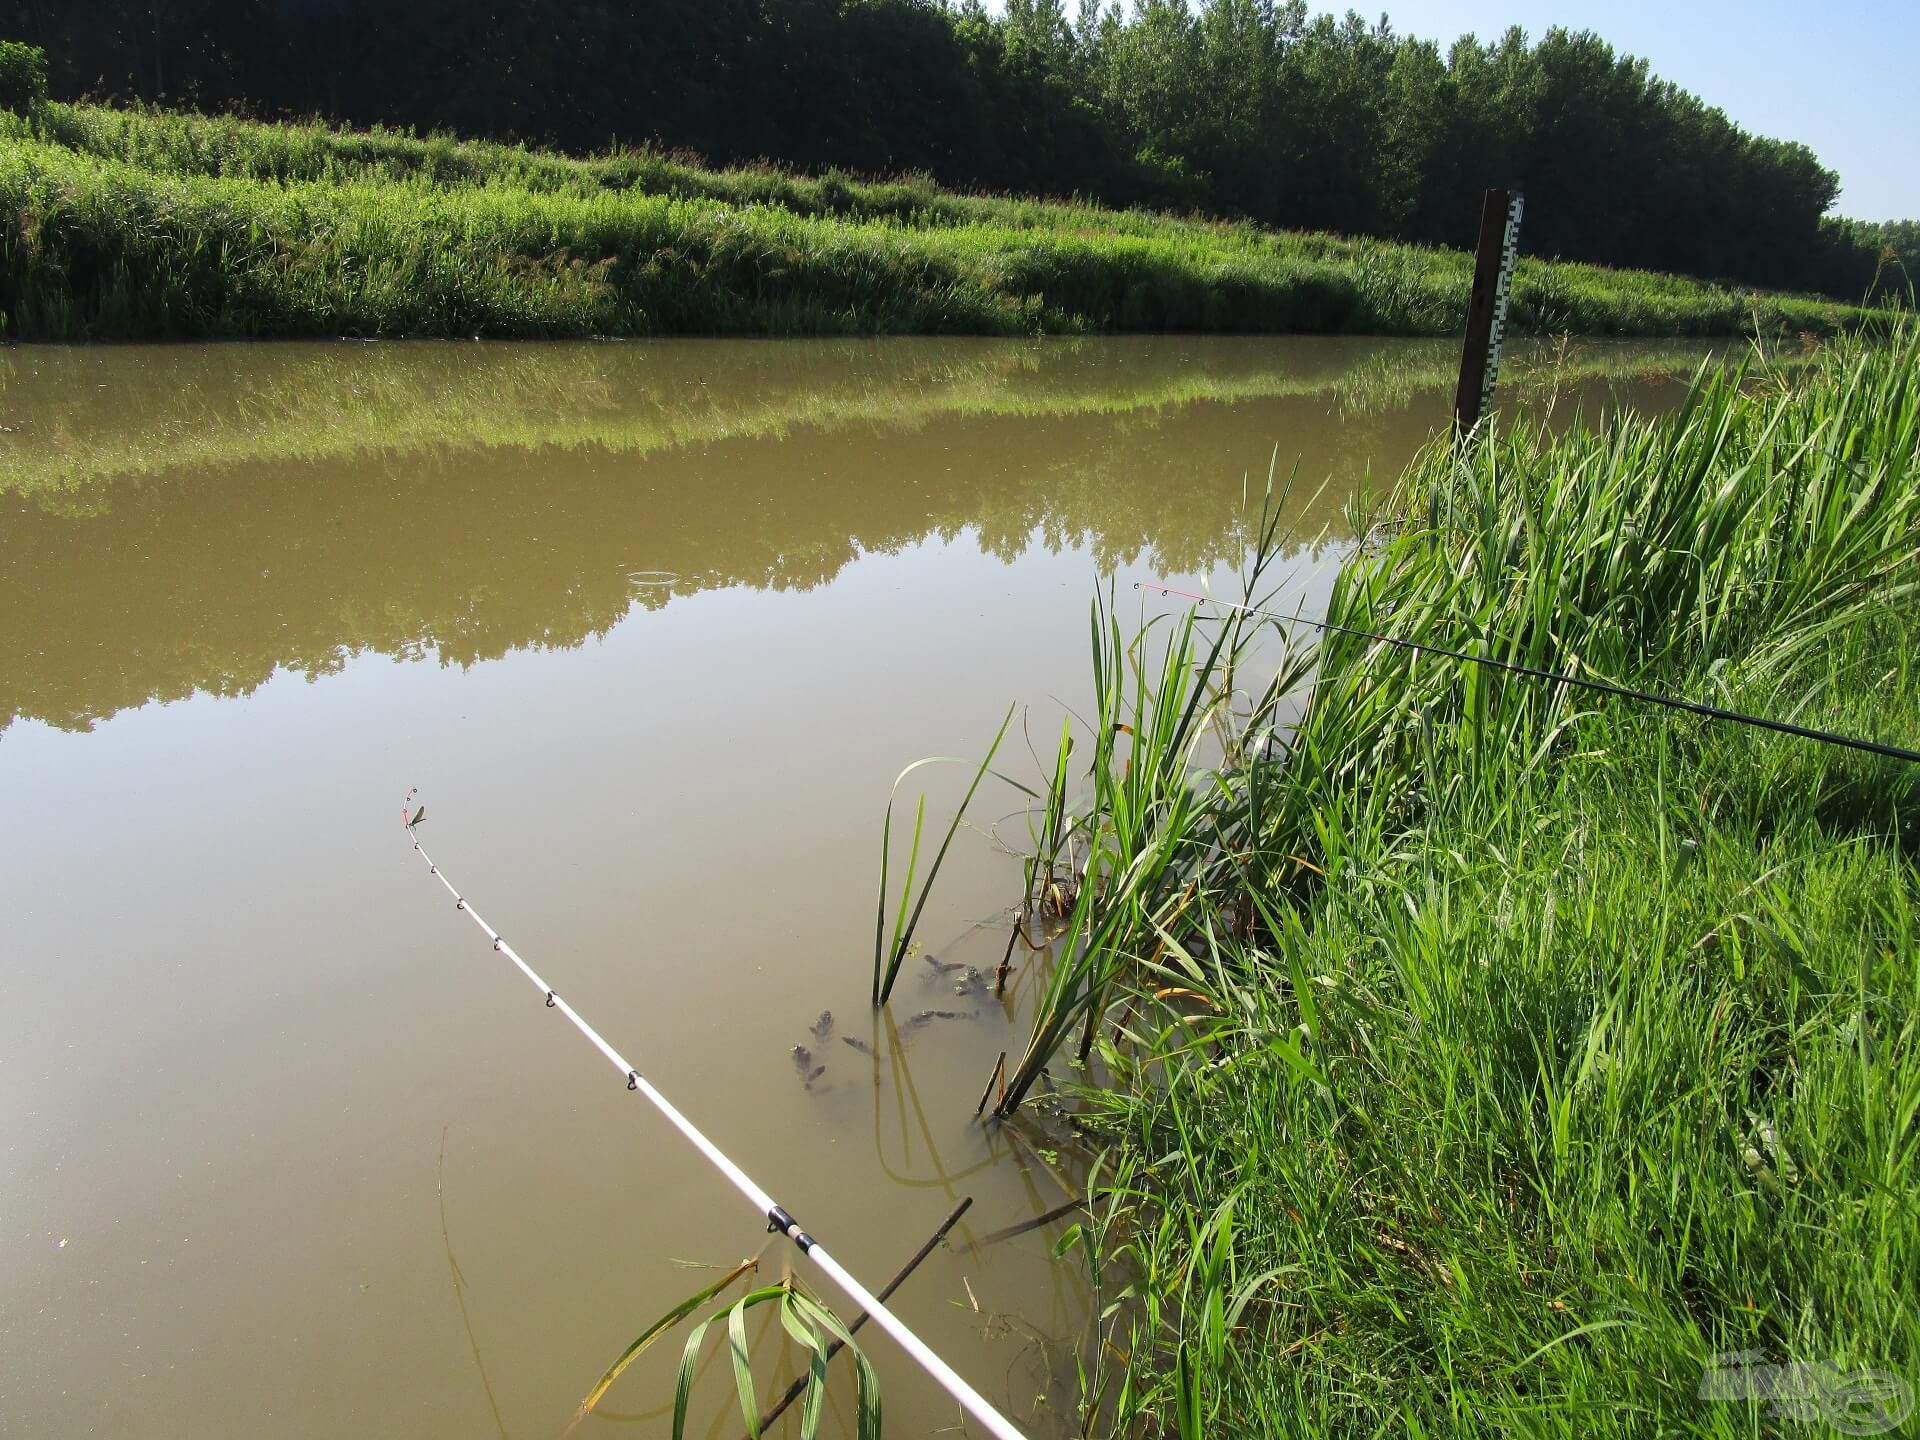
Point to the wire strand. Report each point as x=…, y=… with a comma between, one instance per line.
x=1604, y=687
x=777, y=1218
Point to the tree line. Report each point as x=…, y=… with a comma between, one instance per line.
x=1250, y=108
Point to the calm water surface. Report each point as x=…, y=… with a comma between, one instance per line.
x=284, y=1149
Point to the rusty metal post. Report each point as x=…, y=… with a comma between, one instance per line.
x=1493, y=261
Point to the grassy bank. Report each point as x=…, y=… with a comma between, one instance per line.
x=1516, y=1052
x=144, y=224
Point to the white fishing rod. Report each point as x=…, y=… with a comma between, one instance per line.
x=778, y=1220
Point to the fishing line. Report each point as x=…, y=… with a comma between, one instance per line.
x=1692, y=707
x=779, y=1221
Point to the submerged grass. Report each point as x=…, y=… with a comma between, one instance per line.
x=1490, y=1061
x=142, y=223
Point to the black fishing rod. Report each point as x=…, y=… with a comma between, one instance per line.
x=1604, y=687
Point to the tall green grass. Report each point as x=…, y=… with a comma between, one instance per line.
x=1487, y=1060
x=140, y=223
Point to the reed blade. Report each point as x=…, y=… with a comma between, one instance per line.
x=905, y=924
x=659, y=1327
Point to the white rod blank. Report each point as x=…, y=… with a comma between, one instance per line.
x=944, y=1374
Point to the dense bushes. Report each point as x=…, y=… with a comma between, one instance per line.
x=1235, y=107
x=23, y=77
x=181, y=239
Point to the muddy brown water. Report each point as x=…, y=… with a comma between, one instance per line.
x=284, y=1148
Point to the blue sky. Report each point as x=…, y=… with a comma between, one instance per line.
x=1842, y=77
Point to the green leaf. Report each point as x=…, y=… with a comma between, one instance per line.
x=807, y=1334
x=683, y=1382
x=867, y=1380
x=743, y=1366
x=659, y=1327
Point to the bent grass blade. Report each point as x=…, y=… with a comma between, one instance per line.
x=654, y=1331
x=803, y=1318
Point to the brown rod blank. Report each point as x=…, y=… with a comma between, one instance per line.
x=1021, y=1227
x=1006, y=960
x=999, y=1069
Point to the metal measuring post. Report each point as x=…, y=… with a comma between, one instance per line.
x=1493, y=263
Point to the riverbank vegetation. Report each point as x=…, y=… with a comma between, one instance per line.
x=1486, y=1055
x=146, y=224
x=1252, y=110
